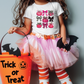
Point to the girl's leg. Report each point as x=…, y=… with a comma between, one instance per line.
x=63, y=76
x=43, y=75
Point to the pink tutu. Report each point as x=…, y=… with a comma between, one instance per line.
x=47, y=54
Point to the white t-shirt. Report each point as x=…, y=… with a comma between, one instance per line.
x=44, y=17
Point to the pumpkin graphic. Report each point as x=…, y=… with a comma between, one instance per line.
x=51, y=25
x=39, y=25
x=39, y=13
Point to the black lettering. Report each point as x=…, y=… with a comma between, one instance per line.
x=2, y=63
x=13, y=64
x=8, y=78
x=22, y=78
x=11, y=80
x=9, y=65
x=14, y=72
x=5, y=65
x=14, y=80
x=19, y=80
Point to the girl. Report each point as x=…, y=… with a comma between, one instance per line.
x=45, y=19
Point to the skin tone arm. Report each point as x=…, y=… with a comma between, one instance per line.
x=62, y=30
x=26, y=29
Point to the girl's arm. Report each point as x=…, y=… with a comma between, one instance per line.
x=62, y=29
x=26, y=29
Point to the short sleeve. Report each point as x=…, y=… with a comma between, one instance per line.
x=59, y=9
x=28, y=13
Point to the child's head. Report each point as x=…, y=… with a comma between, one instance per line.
x=21, y=5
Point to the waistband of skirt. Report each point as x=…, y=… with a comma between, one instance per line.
x=54, y=36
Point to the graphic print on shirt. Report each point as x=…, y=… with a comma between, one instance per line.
x=39, y=25
x=50, y=13
x=50, y=25
x=51, y=18
x=45, y=13
x=44, y=19
x=39, y=18
x=45, y=22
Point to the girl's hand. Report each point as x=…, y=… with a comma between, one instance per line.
x=12, y=30
x=64, y=42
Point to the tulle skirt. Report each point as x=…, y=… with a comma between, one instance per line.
x=47, y=54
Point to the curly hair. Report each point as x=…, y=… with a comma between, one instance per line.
x=21, y=5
